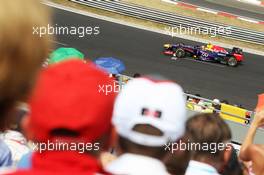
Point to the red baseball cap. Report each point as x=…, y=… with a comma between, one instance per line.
x=67, y=96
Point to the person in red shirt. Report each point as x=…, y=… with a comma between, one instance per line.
x=69, y=119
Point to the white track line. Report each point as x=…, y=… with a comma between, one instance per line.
x=169, y=1
x=248, y=20
x=207, y=10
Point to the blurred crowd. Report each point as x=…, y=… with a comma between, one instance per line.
x=54, y=120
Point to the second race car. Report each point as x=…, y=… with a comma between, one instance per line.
x=209, y=53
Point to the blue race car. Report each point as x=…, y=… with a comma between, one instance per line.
x=209, y=53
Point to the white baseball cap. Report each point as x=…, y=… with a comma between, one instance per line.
x=158, y=103
x=216, y=101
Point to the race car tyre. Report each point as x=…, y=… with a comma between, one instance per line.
x=232, y=61
x=180, y=53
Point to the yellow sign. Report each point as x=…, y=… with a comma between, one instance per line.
x=235, y=111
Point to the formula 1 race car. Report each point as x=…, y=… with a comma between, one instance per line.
x=209, y=53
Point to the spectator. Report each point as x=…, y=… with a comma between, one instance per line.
x=196, y=99
x=225, y=102
x=216, y=104
x=20, y=61
x=25, y=161
x=148, y=114
x=5, y=155
x=239, y=106
x=195, y=103
x=17, y=144
x=234, y=167
x=136, y=75
x=254, y=152
x=68, y=111
x=14, y=138
x=209, y=136
x=107, y=157
x=177, y=162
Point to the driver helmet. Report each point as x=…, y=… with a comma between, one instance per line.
x=209, y=45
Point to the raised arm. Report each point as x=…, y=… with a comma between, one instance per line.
x=246, y=148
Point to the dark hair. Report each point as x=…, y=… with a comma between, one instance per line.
x=134, y=148
x=136, y=75
x=16, y=120
x=225, y=102
x=177, y=162
x=5, y=112
x=233, y=167
x=207, y=128
x=19, y=63
x=198, y=95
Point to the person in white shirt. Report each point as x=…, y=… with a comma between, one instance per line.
x=17, y=144
x=148, y=113
x=13, y=136
x=209, y=143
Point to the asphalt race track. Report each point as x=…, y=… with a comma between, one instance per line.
x=141, y=52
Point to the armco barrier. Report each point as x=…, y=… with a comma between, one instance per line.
x=242, y=113
x=171, y=19
x=228, y=112
x=239, y=125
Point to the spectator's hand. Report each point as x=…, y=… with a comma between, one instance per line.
x=106, y=158
x=259, y=118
